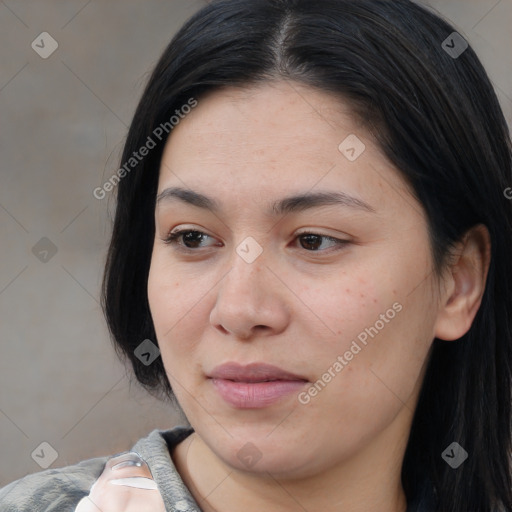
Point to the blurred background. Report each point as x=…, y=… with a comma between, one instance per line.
x=71, y=74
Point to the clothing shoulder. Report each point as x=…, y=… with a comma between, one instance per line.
x=52, y=490
x=58, y=490
x=155, y=450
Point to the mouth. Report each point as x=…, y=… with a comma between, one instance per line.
x=255, y=372
x=254, y=386
x=249, y=380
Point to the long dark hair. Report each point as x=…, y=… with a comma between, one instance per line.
x=437, y=119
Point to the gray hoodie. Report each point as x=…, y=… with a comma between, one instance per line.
x=60, y=490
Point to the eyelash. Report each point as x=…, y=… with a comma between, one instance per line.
x=173, y=239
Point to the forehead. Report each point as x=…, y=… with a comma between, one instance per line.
x=261, y=140
x=260, y=122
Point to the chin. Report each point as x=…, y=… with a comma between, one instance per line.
x=281, y=456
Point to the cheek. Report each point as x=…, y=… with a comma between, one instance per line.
x=340, y=306
x=177, y=307
x=176, y=302
x=372, y=332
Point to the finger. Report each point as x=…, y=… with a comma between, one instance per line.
x=126, y=465
x=126, y=485
x=87, y=505
x=137, y=482
x=130, y=459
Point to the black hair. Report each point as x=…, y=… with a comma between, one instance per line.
x=436, y=117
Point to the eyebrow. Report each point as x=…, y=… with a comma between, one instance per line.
x=291, y=204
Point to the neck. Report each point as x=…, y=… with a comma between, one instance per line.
x=370, y=481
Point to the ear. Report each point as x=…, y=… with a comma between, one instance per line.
x=464, y=284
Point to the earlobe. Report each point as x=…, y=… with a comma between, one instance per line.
x=465, y=285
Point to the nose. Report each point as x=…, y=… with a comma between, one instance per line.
x=250, y=301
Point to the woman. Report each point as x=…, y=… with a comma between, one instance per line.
x=313, y=228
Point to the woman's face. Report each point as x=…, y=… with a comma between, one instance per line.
x=347, y=309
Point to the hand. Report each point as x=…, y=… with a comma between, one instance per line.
x=126, y=485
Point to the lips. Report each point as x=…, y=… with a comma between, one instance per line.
x=255, y=372
x=254, y=386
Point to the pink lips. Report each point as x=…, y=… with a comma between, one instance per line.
x=254, y=386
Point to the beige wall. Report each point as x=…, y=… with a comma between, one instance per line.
x=63, y=120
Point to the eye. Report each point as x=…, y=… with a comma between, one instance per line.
x=187, y=238
x=316, y=242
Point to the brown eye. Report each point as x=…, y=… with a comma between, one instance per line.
x=191, y=239
x=314, y=242
x=187, y=238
